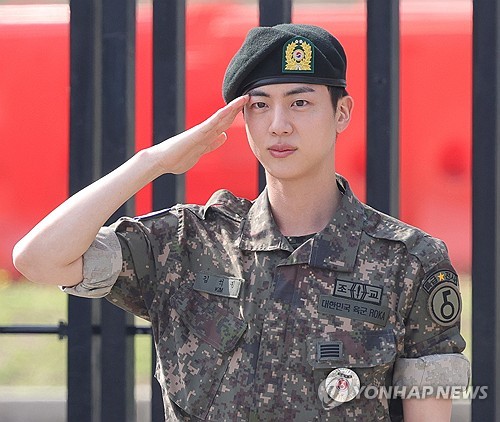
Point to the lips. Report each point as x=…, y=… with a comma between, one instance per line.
x=281, y=150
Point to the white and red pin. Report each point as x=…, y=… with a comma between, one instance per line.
x=340, y=386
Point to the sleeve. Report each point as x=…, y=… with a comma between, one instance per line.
x=121, y=264
x=433, y=346
x=133, y=289
x=102, y=263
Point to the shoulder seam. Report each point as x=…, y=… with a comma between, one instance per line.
x=414, y=237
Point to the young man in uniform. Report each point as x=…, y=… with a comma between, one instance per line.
x=288, y=307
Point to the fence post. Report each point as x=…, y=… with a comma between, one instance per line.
x=100, y=370
x=169, y=47
x=382, y=145
x=486, y=208
x=83, y=347
x=272, y=12
x=118, y=142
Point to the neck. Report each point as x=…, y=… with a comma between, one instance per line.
x=302, y=206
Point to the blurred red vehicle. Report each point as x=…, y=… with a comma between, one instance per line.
x=436, y=97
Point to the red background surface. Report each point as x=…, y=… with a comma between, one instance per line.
x=436, y=101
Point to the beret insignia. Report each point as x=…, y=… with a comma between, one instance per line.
x=298, y=56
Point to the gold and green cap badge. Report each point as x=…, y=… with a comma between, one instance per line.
x=285, y=53
x=298, y=56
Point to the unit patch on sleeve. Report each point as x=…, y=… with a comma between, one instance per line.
x=219, y=285
x=444, y=303
x=439, y=277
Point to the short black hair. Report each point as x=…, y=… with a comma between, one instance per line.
x=336, y=93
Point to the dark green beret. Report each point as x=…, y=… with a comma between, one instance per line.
x=286, y=53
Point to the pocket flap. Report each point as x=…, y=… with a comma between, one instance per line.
x=351, y=349
x=207, y=320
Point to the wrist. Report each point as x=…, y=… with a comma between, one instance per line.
x=148, y=161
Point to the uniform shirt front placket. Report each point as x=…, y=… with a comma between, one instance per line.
x=262, y=238
x=284, y=384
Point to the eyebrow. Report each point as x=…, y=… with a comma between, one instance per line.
x=299, y=90
x=258, y=93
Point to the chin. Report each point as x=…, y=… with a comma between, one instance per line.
x=285, y=174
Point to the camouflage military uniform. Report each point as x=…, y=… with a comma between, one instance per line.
x=245, y=325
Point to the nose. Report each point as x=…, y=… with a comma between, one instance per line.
x=281, y=124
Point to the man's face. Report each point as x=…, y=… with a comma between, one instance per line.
x=292, y=128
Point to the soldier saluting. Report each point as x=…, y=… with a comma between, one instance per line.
x=287, y=307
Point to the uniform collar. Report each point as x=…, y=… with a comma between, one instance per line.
x=259, y=231
x=335, y=247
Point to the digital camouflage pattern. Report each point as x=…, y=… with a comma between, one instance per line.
x=431, y=371
x=356, y=286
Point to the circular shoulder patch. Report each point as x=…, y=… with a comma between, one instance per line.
x=445, y=303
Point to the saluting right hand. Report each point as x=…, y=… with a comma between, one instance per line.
x=52, y=251
x=181, y=152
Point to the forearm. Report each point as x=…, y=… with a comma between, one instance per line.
x=51, y=252
x=428, y=409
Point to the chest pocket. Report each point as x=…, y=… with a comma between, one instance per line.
x=195, y=358
x=370, y=354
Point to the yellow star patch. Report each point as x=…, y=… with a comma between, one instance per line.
x=441, y=276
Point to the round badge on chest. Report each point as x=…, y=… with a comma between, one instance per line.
x=342, y=385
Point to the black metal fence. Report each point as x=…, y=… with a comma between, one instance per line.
x=486, y=208
x=100, y=336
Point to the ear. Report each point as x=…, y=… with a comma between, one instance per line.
x=344, y=111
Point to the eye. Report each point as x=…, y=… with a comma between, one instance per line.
x=259, y=105
x=300, y=103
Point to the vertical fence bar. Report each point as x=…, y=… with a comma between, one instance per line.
x=169, y=45
x=272, y=12
x=83, y=403
x=169, y=67
x=118, y=121
x=382, y=172
x=486, y=208
x=83, y=348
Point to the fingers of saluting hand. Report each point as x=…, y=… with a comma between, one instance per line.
x=216, y=124
x=216, y=143
x=178, y=154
